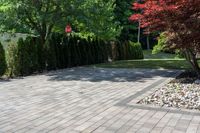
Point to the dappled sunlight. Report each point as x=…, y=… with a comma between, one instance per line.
x=111, y=75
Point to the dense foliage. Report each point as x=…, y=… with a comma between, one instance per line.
x=94, y=25
x=41, y=17
x=122, y=12
x=179, y=19
x=161, y=45
x=61, y=51
x=2, y=60
x=128, y=51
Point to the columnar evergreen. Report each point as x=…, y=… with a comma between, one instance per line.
x=61, y=51
x=2, y=60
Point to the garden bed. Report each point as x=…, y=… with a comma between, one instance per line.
x=181, y=92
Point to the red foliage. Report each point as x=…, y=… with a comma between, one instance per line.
x=180, y=18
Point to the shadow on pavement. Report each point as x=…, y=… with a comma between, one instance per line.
x=106, y=74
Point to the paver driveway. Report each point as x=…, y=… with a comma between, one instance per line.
x=89, y=100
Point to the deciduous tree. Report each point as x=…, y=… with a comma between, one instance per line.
x=41, y=17
x=180, y=19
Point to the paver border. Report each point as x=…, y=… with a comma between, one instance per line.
x=149, y=90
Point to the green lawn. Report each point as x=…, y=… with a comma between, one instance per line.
x=148, y=55
x=156, y=61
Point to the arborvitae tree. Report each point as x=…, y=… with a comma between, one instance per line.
x=135, y=50
x=50, y=55
x=23, y=56
x=55, y=40
x=71, y=52
x=92, y=54
x=83, y=53
x=78, y=51
x=97, y=51
x=121, y=51
x=13, y=60
x=34, y=50
x=2, y=60
x=41, y=56
x=65, y=51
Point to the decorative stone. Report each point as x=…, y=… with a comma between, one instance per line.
x=197, y=81
x=176, y=95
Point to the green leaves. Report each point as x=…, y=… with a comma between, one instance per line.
x=97, y=18
x=122, y=12
x=41, y=17
x=2, y=60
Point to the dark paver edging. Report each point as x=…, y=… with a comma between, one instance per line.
x=156, y=85
x=130, y=98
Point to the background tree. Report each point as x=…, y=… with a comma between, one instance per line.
x=180, y=19
x=97, y=19
x=131, y=31
x=122, y=12
x=41, y=17
x=36, y=16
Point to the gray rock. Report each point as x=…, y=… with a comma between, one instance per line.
x=197, y=81
x=186, y=96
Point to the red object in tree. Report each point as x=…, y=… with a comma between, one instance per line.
x=68, y=29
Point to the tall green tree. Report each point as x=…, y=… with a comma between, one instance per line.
x=41, y=17
x=98, y=19
x=35, y=16
x=122, y=11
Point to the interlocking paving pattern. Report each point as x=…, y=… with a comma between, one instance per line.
x=85, y=100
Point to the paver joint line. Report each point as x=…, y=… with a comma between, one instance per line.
x=89, y=100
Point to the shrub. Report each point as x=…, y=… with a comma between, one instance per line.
x=162, y=45
x=50, y=55
x=3, y=65
x=40, y=54
x=28, y=55
x=12, y=60
x=135, y=51
x=129, y=51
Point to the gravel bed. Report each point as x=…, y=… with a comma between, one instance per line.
x=179, y=93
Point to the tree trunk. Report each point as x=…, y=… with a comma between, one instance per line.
x=191, y=57
x=148, y=44
x=139, y=30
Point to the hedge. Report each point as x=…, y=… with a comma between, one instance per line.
x=60, y=51
x=3, y=65
x=128, y=51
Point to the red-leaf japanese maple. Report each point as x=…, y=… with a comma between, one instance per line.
x=180, y=19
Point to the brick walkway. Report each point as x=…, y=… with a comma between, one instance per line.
x=90, y=100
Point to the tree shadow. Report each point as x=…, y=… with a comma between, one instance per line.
x=107, y=74
x=4, y=80
x=187, y=77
